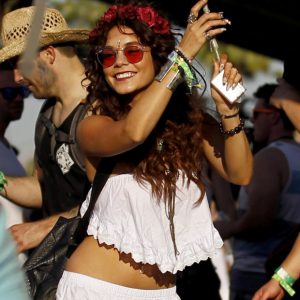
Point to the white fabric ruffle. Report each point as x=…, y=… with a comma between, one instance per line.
x=127, y=217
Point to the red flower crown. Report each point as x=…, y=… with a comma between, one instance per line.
x=145, y=14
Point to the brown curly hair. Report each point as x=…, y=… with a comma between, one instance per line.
x=175, y=145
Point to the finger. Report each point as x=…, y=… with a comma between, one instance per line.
x=227, y=71
x=231, y=78
x=21, y=246
x=197, y=7
x=237, y=79
x=213, y=19
x=223, y=60
x=210, y=34
x=216, y=68
x=257, y=295
x=280, y=296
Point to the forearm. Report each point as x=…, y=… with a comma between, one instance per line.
x=24, y=191
x=292, y=262
x=148, y=109
x=30, y=234
x=238, y=160
x=49, y=222
x=292, y=109
x=251, y=225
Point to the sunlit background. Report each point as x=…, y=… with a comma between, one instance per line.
x=256, y=68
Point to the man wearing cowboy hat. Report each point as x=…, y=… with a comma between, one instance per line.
x=58, y=184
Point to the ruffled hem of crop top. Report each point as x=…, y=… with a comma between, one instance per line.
x=128, y=217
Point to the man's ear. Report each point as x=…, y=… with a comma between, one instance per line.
x=49, y=54
x=276, y=117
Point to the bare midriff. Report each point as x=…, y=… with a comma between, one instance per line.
x=108, y=264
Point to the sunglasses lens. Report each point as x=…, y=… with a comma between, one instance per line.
x=106, y=57
x=24, y=92
x=11, y=93
x=134, y=54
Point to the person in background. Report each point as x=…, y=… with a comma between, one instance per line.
x=269, y=207
x=58, y=184
x=152, y=218
x=289, y=271
x=287, y=94
x=11, y=107
x=12, y=279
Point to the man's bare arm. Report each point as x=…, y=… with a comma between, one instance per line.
x=263, y=197
x=24, y=191
x=29, y=235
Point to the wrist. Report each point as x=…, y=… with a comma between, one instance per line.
x=229, y=113
x=237, y=129
x=3, y=183
x=179, y=50
x=285, y=280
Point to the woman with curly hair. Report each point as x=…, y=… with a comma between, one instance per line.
x=152, y=218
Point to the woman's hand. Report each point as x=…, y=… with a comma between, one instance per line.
x=269, y=291
x=201, y=28
x=231, y=78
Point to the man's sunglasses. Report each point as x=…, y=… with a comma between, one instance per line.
x=10, y=93
x=107, y=56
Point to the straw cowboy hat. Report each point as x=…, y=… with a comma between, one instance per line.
x=16, y=25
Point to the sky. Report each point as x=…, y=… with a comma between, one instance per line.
x=21, y=133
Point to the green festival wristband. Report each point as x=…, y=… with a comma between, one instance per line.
x=3, y=181
x=284, y=284
x=283, y=274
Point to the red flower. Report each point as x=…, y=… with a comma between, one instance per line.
x=110, y=14
x=147, y=15
x=162, y=26
x=127, y=12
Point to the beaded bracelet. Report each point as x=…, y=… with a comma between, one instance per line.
x=3, y=181
x=235, y=130
x=180, y=52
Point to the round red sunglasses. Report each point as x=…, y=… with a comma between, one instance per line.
x=107, y=55
x=266, y=110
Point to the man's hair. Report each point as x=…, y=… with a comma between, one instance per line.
x=264, y=93
x=6, y=66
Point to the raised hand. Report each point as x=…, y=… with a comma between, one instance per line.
x=201, y=28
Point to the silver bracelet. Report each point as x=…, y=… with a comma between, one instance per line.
x=175, y=81
x=167, y=66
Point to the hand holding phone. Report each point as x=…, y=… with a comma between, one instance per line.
x=232, y=94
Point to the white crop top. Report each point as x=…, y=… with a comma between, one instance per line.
x=127, y=216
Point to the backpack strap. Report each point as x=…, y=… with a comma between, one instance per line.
x=44, y=123
x=104, y=170
x=71, y=138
